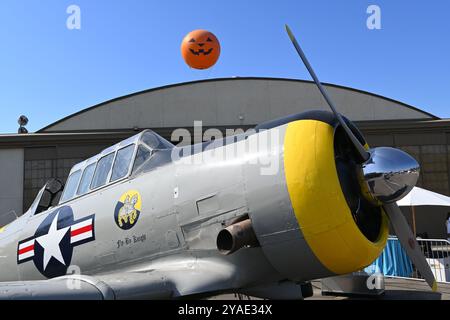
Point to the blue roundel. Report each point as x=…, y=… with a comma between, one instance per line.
x=51, y=247
x=54, y=267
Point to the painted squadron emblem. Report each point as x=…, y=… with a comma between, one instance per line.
x=51, y=247
x=128, y=209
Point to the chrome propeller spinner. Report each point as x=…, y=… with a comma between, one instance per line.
x=388, y=175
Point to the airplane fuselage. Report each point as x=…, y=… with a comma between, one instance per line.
x=181, y=206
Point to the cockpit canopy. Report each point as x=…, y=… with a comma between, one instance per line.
x=113, y=164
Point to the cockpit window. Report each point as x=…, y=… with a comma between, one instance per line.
x=102, y=171
x=155, y=142
x=71, y=186
x=122, y=162
x=142, y=155
x=86, y=179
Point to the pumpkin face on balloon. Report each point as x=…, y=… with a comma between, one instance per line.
x=200, y=49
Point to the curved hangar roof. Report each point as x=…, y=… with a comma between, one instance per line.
x=229, y=102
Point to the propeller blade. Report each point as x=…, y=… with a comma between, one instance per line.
x=359, y=147
x=409, y=243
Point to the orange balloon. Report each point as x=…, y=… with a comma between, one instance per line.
x=200, y=49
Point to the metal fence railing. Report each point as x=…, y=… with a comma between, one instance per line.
x=394, y=262
x=437, y=254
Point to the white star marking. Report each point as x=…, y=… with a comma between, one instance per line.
x=50, y=242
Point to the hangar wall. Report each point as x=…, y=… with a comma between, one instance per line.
x=11, y=182
x=223, y=103
x=230, y=102
x=427, y=141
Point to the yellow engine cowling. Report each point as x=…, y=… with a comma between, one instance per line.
x=318, y=202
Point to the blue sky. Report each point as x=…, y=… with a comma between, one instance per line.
x=48, y=71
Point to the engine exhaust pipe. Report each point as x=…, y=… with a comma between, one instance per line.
x=236, y=236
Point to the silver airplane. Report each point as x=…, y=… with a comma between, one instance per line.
x=145, y=219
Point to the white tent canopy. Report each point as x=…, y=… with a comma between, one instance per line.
x=422, y=197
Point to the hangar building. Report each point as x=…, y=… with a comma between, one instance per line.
x=27, y=161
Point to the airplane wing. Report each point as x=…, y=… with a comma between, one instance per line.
x=166, y=281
